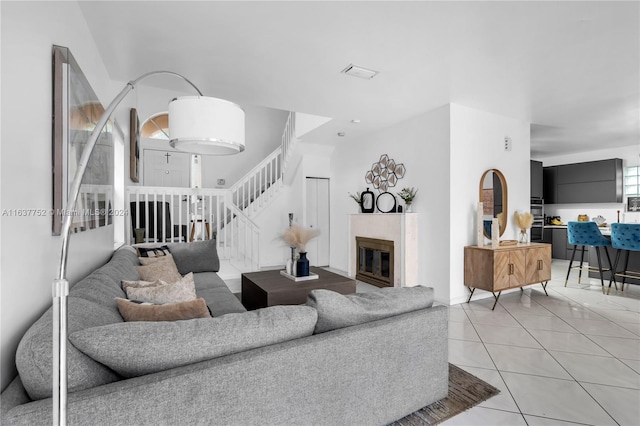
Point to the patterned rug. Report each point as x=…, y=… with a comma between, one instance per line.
x=465, y=391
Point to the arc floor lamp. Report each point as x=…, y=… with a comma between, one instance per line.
x=197, y=124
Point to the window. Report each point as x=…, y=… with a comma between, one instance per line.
x=156, y=127
x=632, y=180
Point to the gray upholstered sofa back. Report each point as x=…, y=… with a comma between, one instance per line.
x=91, y=303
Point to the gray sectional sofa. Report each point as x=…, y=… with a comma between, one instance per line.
x=338, y=360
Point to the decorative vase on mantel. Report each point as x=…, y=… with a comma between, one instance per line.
x=408, y=208
x=302, y=265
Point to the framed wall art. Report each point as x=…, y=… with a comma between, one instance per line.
x=134, y=147
x=76, y=110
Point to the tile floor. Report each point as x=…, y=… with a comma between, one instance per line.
x=572, y=357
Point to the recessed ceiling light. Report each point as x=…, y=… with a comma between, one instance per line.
x=355, y=121
x=361, y=72
x=341, y=134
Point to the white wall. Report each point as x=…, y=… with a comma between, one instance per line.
x=445, y=151
x=477, y=144
x=29, y=253
x=568, y=212
x=422, y=145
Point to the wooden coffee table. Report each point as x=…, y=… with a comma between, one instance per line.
x=269, y=288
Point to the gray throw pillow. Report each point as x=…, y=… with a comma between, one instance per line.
x=336, y=310
x=139, y=348
x=196, y=256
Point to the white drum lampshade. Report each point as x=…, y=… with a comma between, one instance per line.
x=204, y=125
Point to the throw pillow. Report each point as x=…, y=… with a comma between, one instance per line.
x=151, y=260
x=336, y=310
x=132, y=311
x=161, y=268
x=153, y=251
x=138, y=348
x=196, y=256
x=183, y=290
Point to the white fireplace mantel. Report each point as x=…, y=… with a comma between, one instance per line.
x=402, y=229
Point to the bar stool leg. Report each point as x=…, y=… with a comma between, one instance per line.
x=581, y=262
x=624, y=271
x=600, y=267
x=610, y=271
x=615, y=269
x=573, y=255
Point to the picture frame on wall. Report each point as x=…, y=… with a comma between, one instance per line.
x=76, y=111
x=134, y=147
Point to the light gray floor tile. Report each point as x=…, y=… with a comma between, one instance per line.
x=544, y=421
x=502, y=401
x=515, y=336
x=567, y=342
x=618, y=347
x=486, y=416
x=621, y=404
x=598, y=369
x=559, y=399
x=632, y=327
x=469, y=354
x=538, y=322
x=632, y=363
x=463, y=331
x=458, y=315
x=492, y=318
x=599, y=328
x=525, y=360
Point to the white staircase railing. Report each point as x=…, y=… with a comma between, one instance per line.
x=163, y=214
x=251, y=193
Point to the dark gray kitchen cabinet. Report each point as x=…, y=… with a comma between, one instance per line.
x=559, y=243
x=588, y=182
x=536, y=179
x=549, y=184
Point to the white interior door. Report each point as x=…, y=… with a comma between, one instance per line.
x=318, y=218
x=166, y=168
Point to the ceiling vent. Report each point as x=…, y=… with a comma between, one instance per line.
x=360, y=72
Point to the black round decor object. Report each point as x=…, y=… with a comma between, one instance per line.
x=366, y=202
x=386, y=202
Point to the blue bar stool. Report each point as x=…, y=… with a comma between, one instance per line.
x=587, y=234
x=624, y=237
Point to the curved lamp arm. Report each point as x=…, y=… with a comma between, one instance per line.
x=60, y=284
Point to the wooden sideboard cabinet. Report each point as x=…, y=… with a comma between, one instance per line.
x=501, y=268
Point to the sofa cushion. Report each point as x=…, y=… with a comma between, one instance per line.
x=160, y=292
x=91, y=303
x=159, y=268
x=153, y=251
x=336, y=310
x=132, y=311
x=34, y=356
x=139, y=348
x=196, y=256
x=220, y=299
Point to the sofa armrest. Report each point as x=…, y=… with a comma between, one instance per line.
x=372, y=373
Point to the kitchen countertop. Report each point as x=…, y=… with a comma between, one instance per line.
x=605, y=230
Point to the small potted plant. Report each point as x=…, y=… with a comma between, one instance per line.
x=357, y=197
x=407, y=195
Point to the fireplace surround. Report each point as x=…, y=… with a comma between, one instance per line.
x=399, y=228
x=375, y=261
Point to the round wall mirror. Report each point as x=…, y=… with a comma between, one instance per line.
x=493, y=194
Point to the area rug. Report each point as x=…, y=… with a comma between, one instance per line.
x=465, y=391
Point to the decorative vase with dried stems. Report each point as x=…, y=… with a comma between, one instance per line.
x=524, y=222
x=298, y=237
